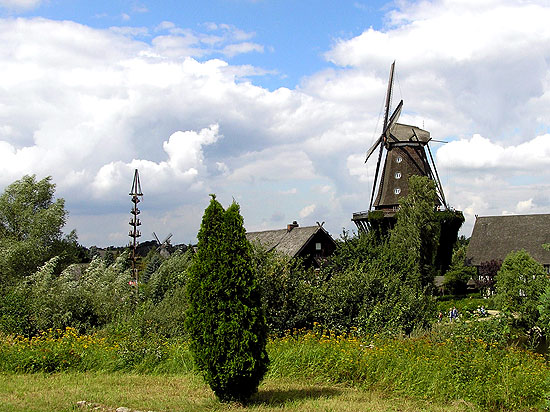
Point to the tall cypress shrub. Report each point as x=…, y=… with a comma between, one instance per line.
x=225, y=320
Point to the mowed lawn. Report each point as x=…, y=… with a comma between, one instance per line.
x=62, y=391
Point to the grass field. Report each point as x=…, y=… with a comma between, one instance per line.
x=61, y=392
x=448, y=369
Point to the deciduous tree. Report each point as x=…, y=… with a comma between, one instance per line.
x=31, y=223
x=519, y=283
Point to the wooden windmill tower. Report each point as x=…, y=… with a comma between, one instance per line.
x=407, y=153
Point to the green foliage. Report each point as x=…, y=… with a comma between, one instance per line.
x=30, y=229
x=414, y=240
x=468, y=308
x=80, y=297
x=450, y=222
x=468, y=361
x=456, y=279
x=290, y=292
x=458, y=275
x=150, y=264
x=404, y=267
x=543, y=307
x=495, y=331
x=355, y=250
x=440, y=366
x=225, y=319
x=170, y=274
x=374, y=300
x=380, y=282
x=58, y=350
x=347, y=297
x=97, y=295
x=519, y=283
x=165, y=318
x=15, y=313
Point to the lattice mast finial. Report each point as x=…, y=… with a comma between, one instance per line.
x=134, y=233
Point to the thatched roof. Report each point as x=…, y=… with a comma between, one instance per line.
x=287, y=242
x=494, y=237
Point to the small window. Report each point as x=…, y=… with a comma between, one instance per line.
x=396, y=190
x=398, y=175
x=399, y=159
x=317, y=246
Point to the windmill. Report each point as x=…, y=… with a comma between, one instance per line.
x=407, y=153
x=164, y=252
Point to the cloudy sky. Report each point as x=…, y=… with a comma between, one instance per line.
x=273, y=103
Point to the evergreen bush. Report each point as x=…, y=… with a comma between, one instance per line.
x=225, y=321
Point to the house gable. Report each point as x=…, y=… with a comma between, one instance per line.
x=306, y=242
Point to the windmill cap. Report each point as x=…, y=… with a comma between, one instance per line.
x=408, y=133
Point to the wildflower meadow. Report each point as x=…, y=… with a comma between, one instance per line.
x=485, y=373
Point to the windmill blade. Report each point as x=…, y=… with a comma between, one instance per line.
x=388, y=96
x=373, y=148
x=156, y=238
x=388, y=123
x=393, y=119
x=376, y=175
x=167, y=238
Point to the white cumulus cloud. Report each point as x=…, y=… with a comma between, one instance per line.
x=307, y=211
x=88, y=106
x=20, y=5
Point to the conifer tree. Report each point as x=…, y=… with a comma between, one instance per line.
x=225, y=320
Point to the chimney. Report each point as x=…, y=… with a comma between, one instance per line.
x=291, y=226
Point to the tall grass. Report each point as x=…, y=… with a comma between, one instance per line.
x=456, y=368
x=442, y=367
x=59, y=350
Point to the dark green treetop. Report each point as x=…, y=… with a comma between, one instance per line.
x=225, y=320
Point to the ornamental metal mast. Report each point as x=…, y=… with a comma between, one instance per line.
x=134, y=223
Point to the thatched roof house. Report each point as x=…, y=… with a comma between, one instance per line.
x=312, y=243
x=494, y=237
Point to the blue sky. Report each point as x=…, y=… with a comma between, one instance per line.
x=294, y=34
x=271, y=103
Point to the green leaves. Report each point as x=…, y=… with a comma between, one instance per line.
x=519, y=283
x=415, y=238
x=30, y=228
x=225, y=318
